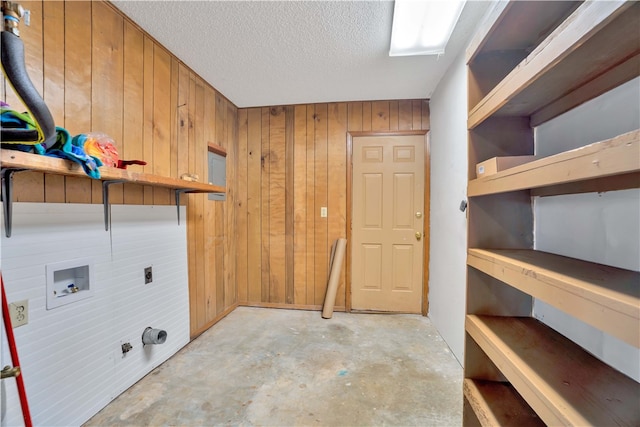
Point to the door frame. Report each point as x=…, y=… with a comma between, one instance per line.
x=425, y=209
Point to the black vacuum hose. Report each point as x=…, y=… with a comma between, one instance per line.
x=12, y=55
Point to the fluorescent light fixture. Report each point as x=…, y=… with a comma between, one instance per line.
x=423, y=27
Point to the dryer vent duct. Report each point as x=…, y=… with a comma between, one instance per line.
x=154, y=336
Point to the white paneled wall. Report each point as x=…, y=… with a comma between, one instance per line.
x=70, y=355
x=603, y=228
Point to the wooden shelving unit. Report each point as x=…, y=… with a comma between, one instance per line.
x=613, y=157
x=580, y=49
x=605, y=297
x=17, y=161
x=497, y=404
x=561, y=382
x=529, y=63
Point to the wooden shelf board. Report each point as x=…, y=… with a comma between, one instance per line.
x=594, y=39
x=561, y=382
x=498, y=404
x=606, y=81
x=615, y=156
x=517, y=25
x=615, y=182
x=51, y=165
x=605, y=297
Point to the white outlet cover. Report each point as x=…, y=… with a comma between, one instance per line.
x=19, y=312
x=323, y=212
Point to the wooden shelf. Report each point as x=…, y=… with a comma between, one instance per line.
x=596, y=39
x=498, y=404
x=17, y=161
x=517, y=26
x=605, y=297
x=13, y=159
x=615, y=156
x=560, y=381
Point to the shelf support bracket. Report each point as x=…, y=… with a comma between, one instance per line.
x=7, y=197
x=105, y=201
x=179, y=191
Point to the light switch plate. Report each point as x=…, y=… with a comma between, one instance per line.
x=323, y=212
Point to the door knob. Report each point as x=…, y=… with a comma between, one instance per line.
x=418, y=214
x=418, y=235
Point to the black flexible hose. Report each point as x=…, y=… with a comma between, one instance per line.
x=13, y=65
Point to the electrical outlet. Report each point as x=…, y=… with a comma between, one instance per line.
x=148, y=275
x=323, y=212
x=19, y=312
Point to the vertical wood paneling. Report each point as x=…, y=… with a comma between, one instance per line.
x=355, y=116
x=230, y=246
x=311, y=205
x=215, y=256
x=315, y=169
x=277, y=165
x=195, y=294
x=198, y=207
x=54, y=60
x=107, y=74
x=405, y=115
x=173, y=118
x=219, y=213
x=29, y=186
x=393, y=115
x=321, y=199
x=380, y=115
x=210, y=238
x=254, y=205
x=242, y=219
x=416, y=105
x=161, y=121
x=183, y=120
x=133, y=113
x=147, y=125
x=300, y=204
x=289, y=162
x=77, y=85
x=337, y=188
x=366, y=116
x=265, y=197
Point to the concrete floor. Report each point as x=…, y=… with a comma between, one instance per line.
x=292, y=368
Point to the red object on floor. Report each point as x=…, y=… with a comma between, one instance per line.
x=6, y=317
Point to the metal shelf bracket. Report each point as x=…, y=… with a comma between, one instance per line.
x=179, y=191
x=105, y=201
x=7, y=197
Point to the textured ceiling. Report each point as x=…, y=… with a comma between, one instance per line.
x=260, y=53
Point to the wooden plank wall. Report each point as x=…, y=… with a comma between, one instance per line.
x=291, y=162
x=100, y=72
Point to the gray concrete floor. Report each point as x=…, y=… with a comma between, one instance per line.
x=292, y=368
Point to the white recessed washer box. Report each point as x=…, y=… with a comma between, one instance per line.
x=69, y=281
